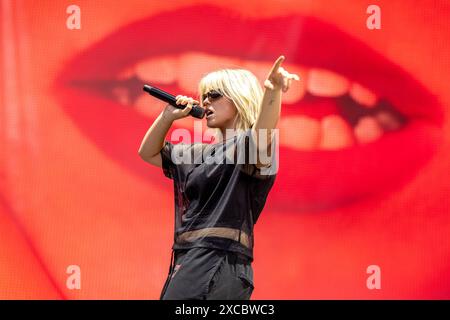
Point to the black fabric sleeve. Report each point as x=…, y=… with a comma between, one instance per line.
x=249, y=166
x=168, y=165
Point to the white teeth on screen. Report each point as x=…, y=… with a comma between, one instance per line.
x=336, y=133
x=193, y=66
x=296, y=90
x=367, y=130
x=325, y=83
x=187, y=69
x=362, y=95
x=163, y=70
x=259, y=68
x=300, y=132
x=126, y=74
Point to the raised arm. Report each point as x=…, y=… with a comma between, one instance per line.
x=278, y=81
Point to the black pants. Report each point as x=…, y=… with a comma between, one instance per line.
x=208, y=274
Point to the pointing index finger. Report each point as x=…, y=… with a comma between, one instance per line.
x=277, y=64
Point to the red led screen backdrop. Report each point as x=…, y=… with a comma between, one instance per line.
x=360, y=206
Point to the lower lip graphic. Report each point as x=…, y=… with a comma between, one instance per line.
x=101, y=92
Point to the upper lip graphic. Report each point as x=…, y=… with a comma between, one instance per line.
x=319, y=179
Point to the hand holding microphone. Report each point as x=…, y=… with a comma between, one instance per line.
x=175, y=113
x=179, y=106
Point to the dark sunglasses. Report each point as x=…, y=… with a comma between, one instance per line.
x=212, y=95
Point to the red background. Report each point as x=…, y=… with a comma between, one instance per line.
x=73, y=190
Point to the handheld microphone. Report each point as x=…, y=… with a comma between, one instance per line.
x=197, y=111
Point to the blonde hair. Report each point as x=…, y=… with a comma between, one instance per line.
x=241, y=87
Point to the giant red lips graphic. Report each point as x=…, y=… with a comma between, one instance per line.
x=358, y=126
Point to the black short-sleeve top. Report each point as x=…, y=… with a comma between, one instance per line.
x=219, y=191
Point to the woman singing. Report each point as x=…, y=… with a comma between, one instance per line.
x=217, y=203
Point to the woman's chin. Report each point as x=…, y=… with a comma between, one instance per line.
x=212, y=124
